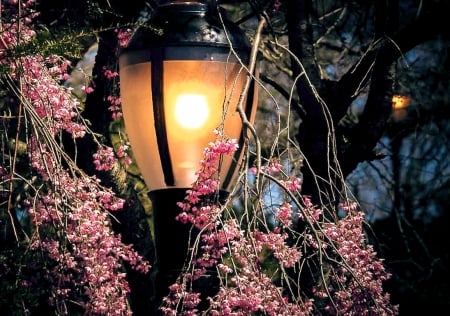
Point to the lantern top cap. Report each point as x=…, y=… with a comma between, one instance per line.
x=189, y=24
x=184, y=6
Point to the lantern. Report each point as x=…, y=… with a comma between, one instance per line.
x=180, y=80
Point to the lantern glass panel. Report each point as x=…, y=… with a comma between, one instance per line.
x=198, y=96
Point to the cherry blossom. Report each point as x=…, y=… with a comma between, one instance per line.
x=79, y=257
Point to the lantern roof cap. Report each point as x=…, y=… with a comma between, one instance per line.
x=184, y=6
x=189, y=23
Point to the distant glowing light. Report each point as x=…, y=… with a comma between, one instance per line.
x=400, y=101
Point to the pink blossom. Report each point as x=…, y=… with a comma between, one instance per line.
x=207, y=183
x=109, y=74
x=82, y=258
x=123, y=36
x=87, y=89
x=293, y=184
x=104, y=159
x=311, y=214
x=272, y=167
x=284, y=214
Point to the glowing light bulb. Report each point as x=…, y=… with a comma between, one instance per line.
x=191, y=110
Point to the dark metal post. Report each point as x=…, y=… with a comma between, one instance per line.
x=171, y=239
x=172, y=242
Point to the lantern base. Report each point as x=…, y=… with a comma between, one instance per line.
x=172, y=240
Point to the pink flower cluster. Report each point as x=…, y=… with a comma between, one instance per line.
x=240, y=254
x=39, y=78
x=356, y=285
x=124, y=37
x=78, y=207
x=284, y=214
x=293, y=184
x=288, y=256
x=69, y=212
x=104, y=159
x=250, y=289
x=113, y=99
x=123, y=152
x=272, y=167
x=16, y=28
x=206, y=184
x=41, y=87
x=87, y=90
x=254, y=294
